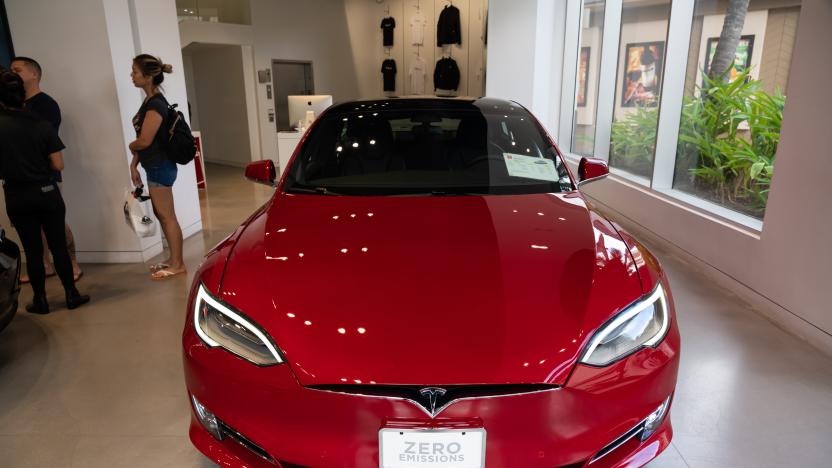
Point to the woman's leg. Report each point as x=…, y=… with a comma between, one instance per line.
x=162, y=200
x=70, y=247
x=47, y=261
x=48, y=268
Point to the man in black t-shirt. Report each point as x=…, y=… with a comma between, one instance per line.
x=43, y=106
x=30, y=150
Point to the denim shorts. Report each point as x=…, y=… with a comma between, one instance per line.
x=161, y=175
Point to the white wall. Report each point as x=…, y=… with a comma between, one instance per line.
x=524, y=61
x=84, y=84
x=219, y=88
x=88, y=73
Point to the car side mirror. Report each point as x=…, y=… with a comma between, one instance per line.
x=592, y=169
x=262, y=172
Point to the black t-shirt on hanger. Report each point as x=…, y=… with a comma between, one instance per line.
x=388, y=25
x=388, y=69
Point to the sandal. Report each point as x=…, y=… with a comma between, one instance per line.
x=77, y=276
x=159, y=266
x=164, y=273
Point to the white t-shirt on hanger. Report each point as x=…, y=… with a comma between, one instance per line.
x=418, y=69
x=417, y=29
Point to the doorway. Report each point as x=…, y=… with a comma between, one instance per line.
x=290, y=78
x=215, y=80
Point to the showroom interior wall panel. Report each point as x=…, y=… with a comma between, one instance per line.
x=518, y=64
x=784, y=270
x=82, y=76
x=309, y=30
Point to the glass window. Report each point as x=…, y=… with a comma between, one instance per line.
x=589, y=65
x=733, y=105
x=450, y=149
x=638, y=85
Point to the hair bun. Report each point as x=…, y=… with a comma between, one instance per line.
x=167, y=68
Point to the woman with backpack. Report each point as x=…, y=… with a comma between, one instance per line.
x=150, y=123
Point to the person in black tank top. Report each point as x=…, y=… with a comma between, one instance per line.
x=29, y=151
x=149, y=150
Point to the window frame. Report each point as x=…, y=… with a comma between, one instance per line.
x=677, y=43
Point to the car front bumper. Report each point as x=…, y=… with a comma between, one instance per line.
x=266, y=408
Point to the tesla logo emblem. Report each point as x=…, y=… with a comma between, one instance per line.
x=432, y=394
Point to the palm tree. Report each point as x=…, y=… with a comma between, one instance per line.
x=726, y=49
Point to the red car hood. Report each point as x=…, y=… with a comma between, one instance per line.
x=430, y=290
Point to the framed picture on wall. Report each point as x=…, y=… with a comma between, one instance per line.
x=742, y=61
x=583, y=77
x=643, y=68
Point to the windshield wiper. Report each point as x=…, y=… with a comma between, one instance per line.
x=445, y=193
x=318, y=190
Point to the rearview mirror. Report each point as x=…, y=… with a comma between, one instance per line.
x=592, y=169
x=262, y=172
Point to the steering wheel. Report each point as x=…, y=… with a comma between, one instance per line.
x=495, y=153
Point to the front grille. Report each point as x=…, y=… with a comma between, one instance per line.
x=434, y=406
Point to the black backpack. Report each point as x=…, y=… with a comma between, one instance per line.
x=180, y=146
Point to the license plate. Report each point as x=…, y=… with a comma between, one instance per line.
x=451, y=448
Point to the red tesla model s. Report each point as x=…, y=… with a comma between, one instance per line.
x=429, y=288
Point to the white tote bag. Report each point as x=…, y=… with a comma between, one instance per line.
x=136, y=217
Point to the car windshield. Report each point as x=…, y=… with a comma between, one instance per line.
x=454, y=149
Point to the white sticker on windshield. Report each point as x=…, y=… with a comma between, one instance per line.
x=530, y=167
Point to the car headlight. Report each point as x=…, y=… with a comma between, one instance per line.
x=642, y=324
x=220, y=326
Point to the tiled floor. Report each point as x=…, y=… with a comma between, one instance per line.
x=102, y=386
